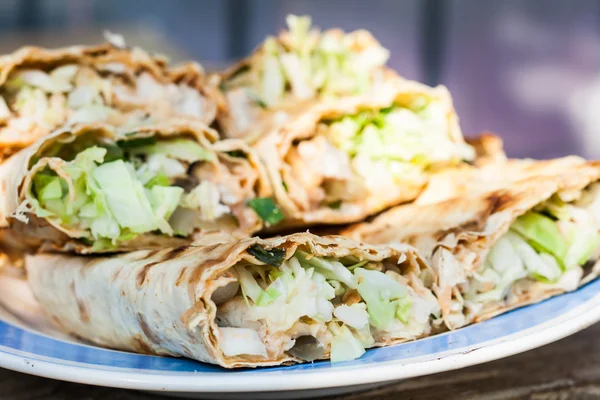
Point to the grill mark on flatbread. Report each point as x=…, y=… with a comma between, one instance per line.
x=174, y=252
x=141, y=276
x=196, y=275
x=141, y=346
x=494, y=202
x=115, y=276
x=147, y=330
x=179, y=280
x=83, y=312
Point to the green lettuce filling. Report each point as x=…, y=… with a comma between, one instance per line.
x=113, y=193
x=307, y=64
x=349, y=304
x=544, y=244
x=401, y=137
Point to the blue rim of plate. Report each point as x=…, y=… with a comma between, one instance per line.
x=511, y=333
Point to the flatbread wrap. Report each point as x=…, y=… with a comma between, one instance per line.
x=247, y=303
x=529, y=232
x=94, y=188
x=43, y=89
x=296, y=69
x=342, y=161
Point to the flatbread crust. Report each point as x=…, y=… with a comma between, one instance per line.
x=474, y=210
x=160, y=301
x=22, y=231
x=112, y=59
x=275, y=147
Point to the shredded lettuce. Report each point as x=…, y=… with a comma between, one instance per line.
x=383, y=296
x=542, y=233
x=547, y=244
x=306, y=296
x=113, y=192
x=344, y=346
x=309, y=64
x=180, y=149
x=399, y=136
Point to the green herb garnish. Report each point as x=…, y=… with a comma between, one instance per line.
x=272, y=256
x=267, y=210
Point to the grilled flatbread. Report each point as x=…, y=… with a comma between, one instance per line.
x=295, y=70
x=43, y=89
x=244, y=303
x=504, y=236
x=342, y=161
x=94, y=188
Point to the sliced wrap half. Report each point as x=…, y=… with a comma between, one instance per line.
x=515, y=235
x=92, y=188
x=296, y=69
x=342, y=161
x=244, y=303
x=42, y=89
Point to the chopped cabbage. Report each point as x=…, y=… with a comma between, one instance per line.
x=399, y=135
x=583, y=241
x=125, y=196
x=542, y=233
x=344, y=346
x=355, y=316
x=180, y=149
x=305, y=297
x=547, y=244
x=383, y=296
x=206, y=198
x=109, y=197
x=309, y=64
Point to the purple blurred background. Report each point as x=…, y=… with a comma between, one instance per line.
x=527, y=70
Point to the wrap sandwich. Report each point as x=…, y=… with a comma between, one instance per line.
x=300, y=67
x=342, y=161
x=94, y=188
x=247, y=303
x=513, y=235
x=43, y=89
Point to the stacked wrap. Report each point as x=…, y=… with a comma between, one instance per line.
x=109, y=150
x=42, y=89
x=291, y=72
x=187, y=301
x=504, y=236
x=95, y=188
x=341, y=161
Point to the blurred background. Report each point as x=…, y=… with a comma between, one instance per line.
x=527, y=70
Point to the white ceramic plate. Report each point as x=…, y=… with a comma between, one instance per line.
x=30, y=344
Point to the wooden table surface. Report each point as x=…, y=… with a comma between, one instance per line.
x=567, y=369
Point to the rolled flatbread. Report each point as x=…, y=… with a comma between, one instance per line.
x=342, y=161
x=248, y=303
x=43, y=89
x=94, y=188
x=294, y=70
x=506, y=236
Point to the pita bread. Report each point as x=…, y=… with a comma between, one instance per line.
x=456, y=232
x=279, y=148
x=242, y=115
x=23, y=231
x=46, y=88
x=163, y=301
